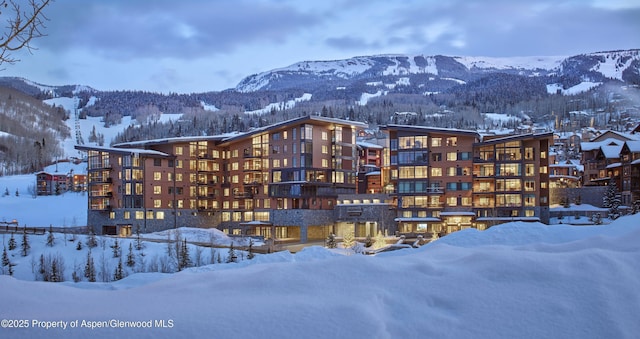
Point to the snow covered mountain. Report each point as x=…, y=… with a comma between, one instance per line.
x=434, y=73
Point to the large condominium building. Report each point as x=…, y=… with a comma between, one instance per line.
x=284, y=178
x=444, y=180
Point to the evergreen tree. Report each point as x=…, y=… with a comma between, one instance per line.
x=91, y=240
x=50, y=238
x=368, y=241
x=42, y=269
x=119, y=273
x=435, y=236
x=251, y=255
x=12, y=243
x=348, y=241
x=55, y=272
x=611, y=200
x=139, y=245
x=331, y=241
x=185, y=258
x=231, y=255
x=90, y=268
x=131, y=261
x=79, y=246
x=5, y=258
x=116, y=249
x=17, y=193
x=380, y=242
x=24, y=246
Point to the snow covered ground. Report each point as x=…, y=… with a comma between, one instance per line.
x=517, y=280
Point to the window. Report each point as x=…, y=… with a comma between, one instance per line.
x=178, y=150
x=325, y=135
x=436, y=172
x=157, y=203
x=160, y=215
x=139, y=215
x=452, y=156
x=157, y=162
x=436, y=142
x=325, y=149
x=436, y=156
x=529, y=153
x=452, y=201
x=325, y=163
x=127, y=215
x=452, y=141
x=157, y=189
x=157, y=176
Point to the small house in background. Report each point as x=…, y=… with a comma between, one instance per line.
x=61, y=177
x=51, y=183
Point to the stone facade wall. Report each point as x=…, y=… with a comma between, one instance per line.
x=383, y=214
x=186, y=218
x=303, y=219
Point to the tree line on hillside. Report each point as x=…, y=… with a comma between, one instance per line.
x=455, y=108
x=32, y=132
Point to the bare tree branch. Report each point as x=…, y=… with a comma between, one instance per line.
x=22, y=26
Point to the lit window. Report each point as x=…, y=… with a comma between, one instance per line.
x=157, y=175
x=436, y=172
x=160, y=215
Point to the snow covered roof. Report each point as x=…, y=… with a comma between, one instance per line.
x=594, y=145
x=365, y=144
x=611, y=152
x=614, y=165
x=634, y=146
x=122, y=150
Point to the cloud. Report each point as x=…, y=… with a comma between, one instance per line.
x=166, y=29
x=350, y=42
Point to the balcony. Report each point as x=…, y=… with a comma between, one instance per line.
x=255, y=153
x=242, y=195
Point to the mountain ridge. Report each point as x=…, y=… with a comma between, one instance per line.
x=345, y=72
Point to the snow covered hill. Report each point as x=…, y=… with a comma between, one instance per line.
x=516, y=280
x=593, y=67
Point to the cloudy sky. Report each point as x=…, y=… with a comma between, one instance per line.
x=198, y=45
